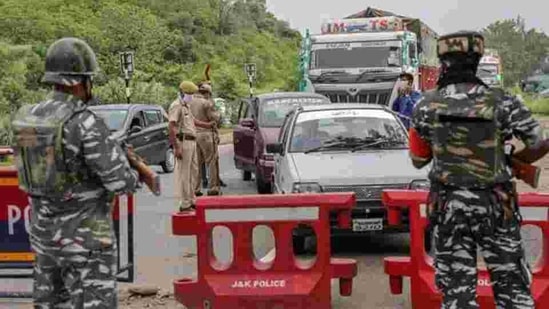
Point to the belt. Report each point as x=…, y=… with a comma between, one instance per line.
x=186, y=137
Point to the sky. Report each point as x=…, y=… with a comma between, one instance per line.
x=443, y=16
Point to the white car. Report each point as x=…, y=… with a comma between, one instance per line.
x=361, y=148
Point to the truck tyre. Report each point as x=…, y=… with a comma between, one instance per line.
x=169, y=161
x=262, y=186
x=246, y=176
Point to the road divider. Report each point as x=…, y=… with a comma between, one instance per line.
x=279, y=279
x=419, y=265
x=16, y=255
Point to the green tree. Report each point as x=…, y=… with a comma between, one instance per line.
x=520, y=49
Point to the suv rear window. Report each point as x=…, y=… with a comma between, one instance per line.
x=273, y=111
x=114, y=118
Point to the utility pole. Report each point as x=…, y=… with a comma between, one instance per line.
x=250, y=69
x=126, y=65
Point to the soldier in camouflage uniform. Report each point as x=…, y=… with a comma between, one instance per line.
x=71, y=169
x=463, y=127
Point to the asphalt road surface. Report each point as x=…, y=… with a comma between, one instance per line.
x=161, y=257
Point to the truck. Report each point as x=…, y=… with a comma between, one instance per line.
x=490, y=69
x=359, y=58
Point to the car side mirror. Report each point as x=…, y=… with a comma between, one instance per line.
x=274, y=148
x=135, y=129
x=247, y=123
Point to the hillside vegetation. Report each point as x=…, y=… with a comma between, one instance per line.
x=172, y=41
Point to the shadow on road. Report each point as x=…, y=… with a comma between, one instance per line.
x=398, y=244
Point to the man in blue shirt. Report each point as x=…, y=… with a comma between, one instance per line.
x=407, y=99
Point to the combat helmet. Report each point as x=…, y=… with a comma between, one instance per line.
x=462, y=42
x=69, y=61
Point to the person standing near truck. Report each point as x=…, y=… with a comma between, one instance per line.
x=462, y=127
x=407, y=98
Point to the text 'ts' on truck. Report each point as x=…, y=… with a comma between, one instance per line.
x=359, y=59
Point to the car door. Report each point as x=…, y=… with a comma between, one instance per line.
x=281, y=170
x=138, y=140
x=155, y=135
x=243, y=136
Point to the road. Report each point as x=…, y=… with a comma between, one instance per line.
x=162, y=257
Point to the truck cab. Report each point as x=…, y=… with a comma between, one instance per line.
x=490, y=69
x=359, y=60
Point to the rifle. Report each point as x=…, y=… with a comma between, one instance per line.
x=146, y=174
x=526, y=172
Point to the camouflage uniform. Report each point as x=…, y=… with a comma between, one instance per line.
x=71, y=224
x=472, y=199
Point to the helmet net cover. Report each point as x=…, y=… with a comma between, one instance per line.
x=69, y=61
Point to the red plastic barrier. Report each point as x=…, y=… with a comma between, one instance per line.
x=15, y=249
x=247, y=282
x=418, y=266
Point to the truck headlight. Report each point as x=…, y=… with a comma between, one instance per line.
x=419, y=184
x=303, y=187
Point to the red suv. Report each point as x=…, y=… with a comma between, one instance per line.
x=260, y=120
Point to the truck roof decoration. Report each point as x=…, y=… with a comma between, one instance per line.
x=372, y=12
x=376, y=24
x=490, y=60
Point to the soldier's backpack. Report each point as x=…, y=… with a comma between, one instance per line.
x=38, y=150
x=467, y=146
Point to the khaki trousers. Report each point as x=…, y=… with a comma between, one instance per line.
x=186, y=173
x=206, y=153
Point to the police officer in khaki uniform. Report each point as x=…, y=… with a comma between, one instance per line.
x=202, y=109
x=183, y=138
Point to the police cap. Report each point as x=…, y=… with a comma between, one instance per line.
x=461, y=42
x=188, y=87
x=69, y=61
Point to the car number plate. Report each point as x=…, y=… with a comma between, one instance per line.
x=364, y=225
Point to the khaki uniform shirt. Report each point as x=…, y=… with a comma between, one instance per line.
x=203, y=110
x=180, y=113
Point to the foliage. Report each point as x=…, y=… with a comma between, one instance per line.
x=172, y=41
x=520, y=49
x=535, y=103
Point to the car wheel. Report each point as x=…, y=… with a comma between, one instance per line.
x=169, y=161
x=262, y=186
x=246, y=176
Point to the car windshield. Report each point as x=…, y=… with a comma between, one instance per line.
x=352, y=129
x=273, y=111
x=487, y=70
x=358, y=57
x=114, y=118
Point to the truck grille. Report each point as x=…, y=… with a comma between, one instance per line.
x=363, y=97
x=364, y=193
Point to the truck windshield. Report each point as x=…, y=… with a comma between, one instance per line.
x=357, y=57
x=487, y=70
x=273, y=111
x=347, y=129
